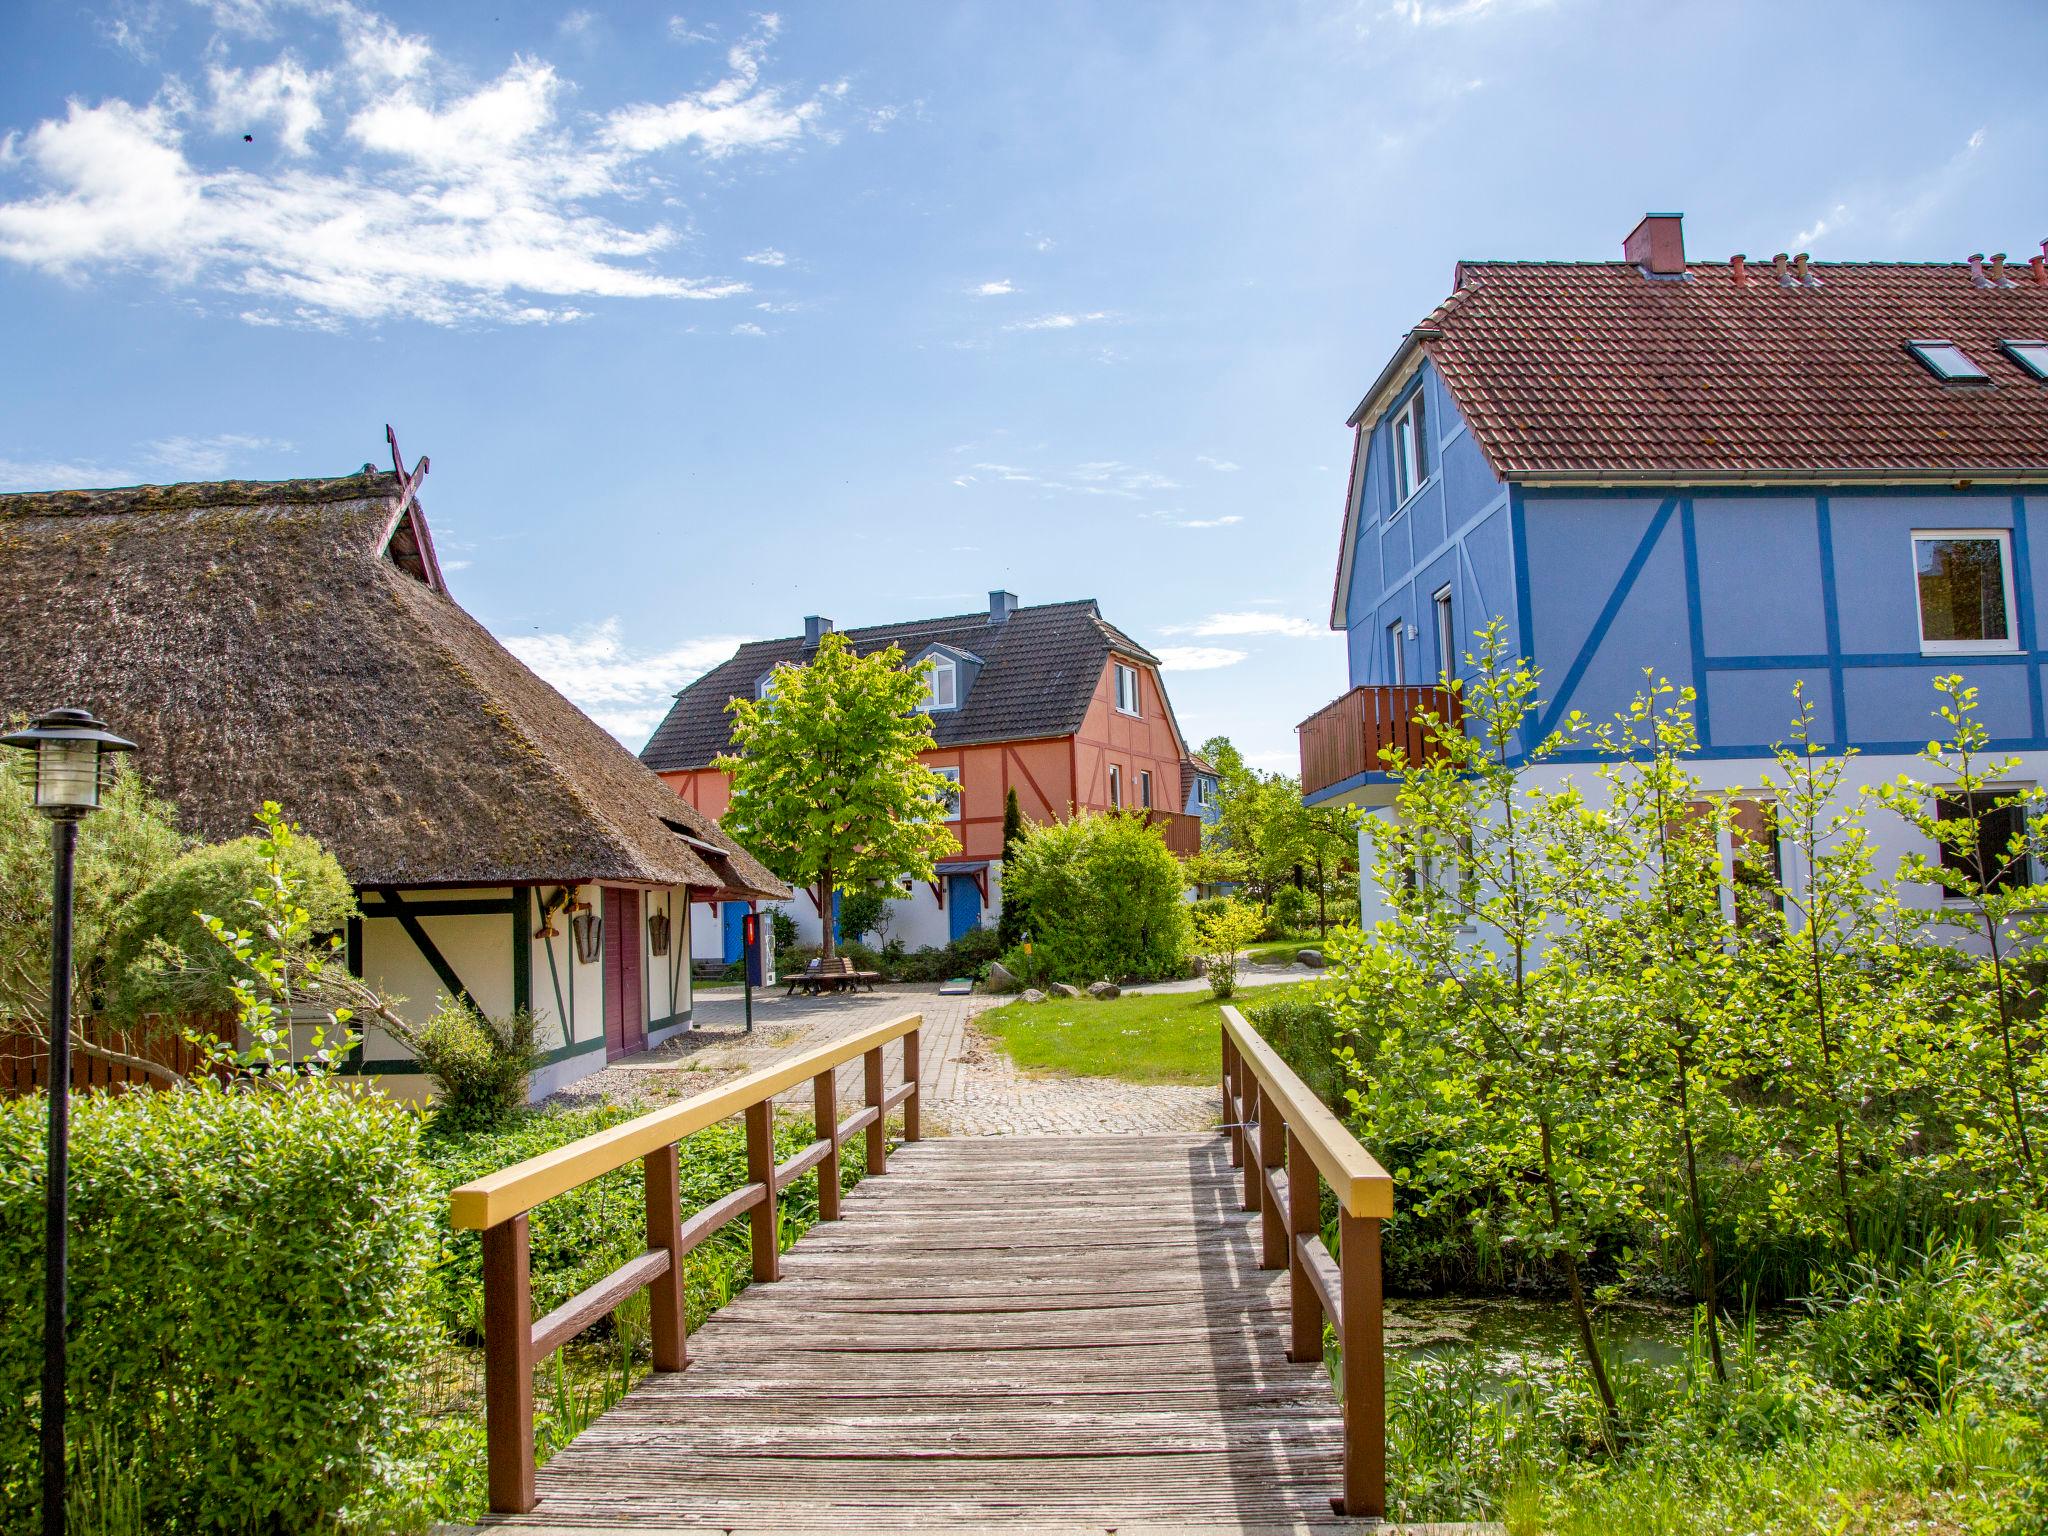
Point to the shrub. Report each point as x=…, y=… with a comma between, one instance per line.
x=866, y=910
x=481, y=1065
x=163, y=960
x=1104, y=896
x=1307, y=1035
x=1291, y=913
x=1218, y=938
x=246, y=1274
x=785, y=930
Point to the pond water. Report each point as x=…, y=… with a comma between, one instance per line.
x=1511, y=1332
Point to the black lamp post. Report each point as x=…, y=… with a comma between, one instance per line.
x=66, y=757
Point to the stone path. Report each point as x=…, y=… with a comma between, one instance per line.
x=970, y=1088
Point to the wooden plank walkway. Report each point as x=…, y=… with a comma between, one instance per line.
x=1036, y=1333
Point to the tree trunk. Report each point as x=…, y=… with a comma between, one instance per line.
x=826, y=890
x=1570, y=1264
x=1709, y=1278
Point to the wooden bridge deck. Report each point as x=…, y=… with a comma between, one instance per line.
x=1033, y=1332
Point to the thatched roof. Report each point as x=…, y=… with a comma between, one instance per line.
x=293, y=641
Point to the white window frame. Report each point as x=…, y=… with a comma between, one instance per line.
x=1201, y=790
x=1144, y=789
x=1397, y=654
x=949, y=669
x=2003, y=647
x=766, y=686
x=1116, y=786
x=1409, y=442
x=1133, y=709
x=952, y=775
x=1440, y=603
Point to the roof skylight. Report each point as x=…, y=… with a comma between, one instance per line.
x=1948, y=362
x=2030, y=355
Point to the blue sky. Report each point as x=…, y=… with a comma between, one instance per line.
x=716, y=318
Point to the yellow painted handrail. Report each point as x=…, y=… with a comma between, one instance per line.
x=1361, y=1185
x=498, y=1197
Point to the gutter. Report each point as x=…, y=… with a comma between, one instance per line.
x=1410, y=344
x=1959, y=479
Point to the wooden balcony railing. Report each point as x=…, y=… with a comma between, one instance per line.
x=1348, y=736
x=497, y=1205
x=1289, y=1145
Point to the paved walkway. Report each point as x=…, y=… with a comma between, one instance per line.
x=970, y=1088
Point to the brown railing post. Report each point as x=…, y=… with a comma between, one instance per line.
x=1365, y=1368
x=1305, y=1220
x=761, y=1170
x=1272, y=1220
x=1249, y=1087
x=910, y=1071
x=825, y=1112
x=508, y=1368
x=665, y=1234
x=878, y=1131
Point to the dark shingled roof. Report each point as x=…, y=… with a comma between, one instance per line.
x=1039, y=670
x=1574, y=368
x=257, y=642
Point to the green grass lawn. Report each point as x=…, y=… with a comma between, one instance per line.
x=1279, y=951
x=1169, y=1037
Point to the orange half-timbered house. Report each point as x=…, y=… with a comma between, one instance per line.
x=1052, y=701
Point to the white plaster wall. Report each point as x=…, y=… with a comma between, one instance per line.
x=479, y=949
x=1890, y=838
x=918, y=922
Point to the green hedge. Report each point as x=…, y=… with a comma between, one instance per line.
x=245, y=1299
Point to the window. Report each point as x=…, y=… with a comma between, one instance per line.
x=1145, y=789
x=2030, y=355
x=1994, y=861
x=766, y=686
x=1759, y=866
x=1446, y=632
x=1964, y=583
x=942, y=680
x=1948, y=362
x=1201, y=790
x=951, y=776
x=1397, y=655
x=1116, y=785
x=1411, y=450
x=1127, y=689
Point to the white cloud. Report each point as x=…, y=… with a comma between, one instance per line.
x=680, y=31
x=767, y=257
x=208, y=458
x=748, y=328
x=59, y=474
x=1199, y=658
x=1100, y=477
x=1058, y=322
x=1000, y=286
x=625, y=691
x=1221, y=466
x=576, y=24
x=1173, y=517
x=1242, y=624
x=407, y=191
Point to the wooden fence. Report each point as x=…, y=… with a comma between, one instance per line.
x=1351, y=734
x=25, y=1061
x=1289, y=1145
x=497, y=1205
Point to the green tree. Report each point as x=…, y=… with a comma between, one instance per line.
x=1219, y=935
x=1010, y=923
x=827, y=785
x=1104, y=895
x=1984, y=838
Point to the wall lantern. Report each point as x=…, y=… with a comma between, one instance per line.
x=587, y=928
x=67, y=759
x=657, y=933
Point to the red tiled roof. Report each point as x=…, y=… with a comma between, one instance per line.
x=1571, y=368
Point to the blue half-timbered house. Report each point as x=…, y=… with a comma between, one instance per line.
x=1743, y=475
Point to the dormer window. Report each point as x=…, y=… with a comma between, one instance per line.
x=942, y=684
x=766, y=686
x=1948, y=362
x=2030, y=355
x=1411, y=450
x=1126, y=689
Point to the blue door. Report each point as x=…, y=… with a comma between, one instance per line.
x=734, y=916
x=963, y=901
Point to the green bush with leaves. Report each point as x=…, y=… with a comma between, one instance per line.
x=1105, y=899
x=480, y=1065
x=1219, y=935
x=247, y=1273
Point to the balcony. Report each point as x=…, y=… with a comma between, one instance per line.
x=1183, y=833
x=1342, y=743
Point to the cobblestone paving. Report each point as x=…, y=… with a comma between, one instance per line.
x=970, y=1087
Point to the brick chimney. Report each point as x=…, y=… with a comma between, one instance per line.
x=1000, y=606
x=1657, y=245
x=815, y=629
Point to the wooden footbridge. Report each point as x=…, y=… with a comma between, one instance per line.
x=1042, y=1333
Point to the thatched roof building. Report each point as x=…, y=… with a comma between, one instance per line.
x=294, y=641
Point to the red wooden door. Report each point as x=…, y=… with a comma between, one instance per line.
x=625, y=1005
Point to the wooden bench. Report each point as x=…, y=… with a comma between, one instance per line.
x=835, y=975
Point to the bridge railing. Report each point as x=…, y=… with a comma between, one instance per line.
x=497, y=1205
x=1290, y=1145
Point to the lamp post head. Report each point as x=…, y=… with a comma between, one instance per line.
x=66, y=759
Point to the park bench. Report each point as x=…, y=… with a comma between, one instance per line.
x=835, y=975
